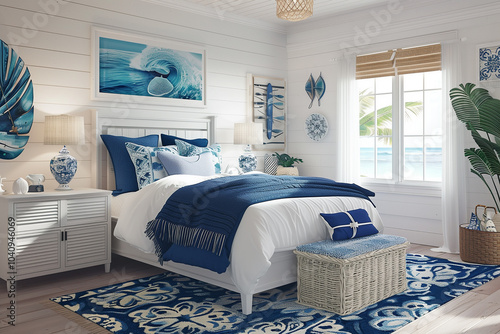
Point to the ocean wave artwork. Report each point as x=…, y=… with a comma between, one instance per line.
x=143, y=70
x=16, y=103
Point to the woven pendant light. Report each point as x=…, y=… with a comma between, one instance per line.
x=294, y=10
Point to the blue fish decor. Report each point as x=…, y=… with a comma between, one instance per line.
x=315, y=88
x=319, y=88
x=16, y=103
x=310, y=89
x=269, y=109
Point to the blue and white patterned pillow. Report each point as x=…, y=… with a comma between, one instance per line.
x=148, y=168
x=188, y=150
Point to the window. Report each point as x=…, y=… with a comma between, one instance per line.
x=400, y=123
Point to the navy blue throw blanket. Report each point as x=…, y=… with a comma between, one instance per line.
x=198, y=223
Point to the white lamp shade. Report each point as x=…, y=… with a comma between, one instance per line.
x=64, y=130
x=248, y=133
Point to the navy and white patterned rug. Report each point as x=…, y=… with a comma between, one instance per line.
x=171, y=303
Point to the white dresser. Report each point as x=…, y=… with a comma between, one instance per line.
x=54, y=231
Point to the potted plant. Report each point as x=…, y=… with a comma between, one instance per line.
x=481, y=114
x=286, y=164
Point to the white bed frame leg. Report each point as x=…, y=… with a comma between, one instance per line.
x=246, y=303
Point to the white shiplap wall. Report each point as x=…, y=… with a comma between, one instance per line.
x=53, y=38
x=314, y=48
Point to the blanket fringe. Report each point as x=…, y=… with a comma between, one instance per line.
x=197, y=237
x=151, y=229
x=84, y=323
x=160, y=231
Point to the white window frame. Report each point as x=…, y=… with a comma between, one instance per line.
x=397, y=183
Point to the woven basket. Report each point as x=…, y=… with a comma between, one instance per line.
x=479, y=246
x=345, y=286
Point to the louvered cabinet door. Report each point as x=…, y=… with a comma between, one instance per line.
x=85, y=210
x=38, y=252
x=36, y=216
x=86, y=245
x=38, y=239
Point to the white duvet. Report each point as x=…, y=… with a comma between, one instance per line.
x=265, y=228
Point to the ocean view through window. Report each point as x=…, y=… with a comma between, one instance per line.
x=400, y=124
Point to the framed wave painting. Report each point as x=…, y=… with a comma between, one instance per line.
x=134, y=68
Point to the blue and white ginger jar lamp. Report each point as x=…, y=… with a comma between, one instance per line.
x=248, y=134
x=65, y=130
x=63, y=166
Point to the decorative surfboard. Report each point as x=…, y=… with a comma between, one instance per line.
x=310, y=89
x=16, y=103
x=269, y=111
x=269, y=104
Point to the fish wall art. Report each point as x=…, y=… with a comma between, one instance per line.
x=16, y=103
x=315, y=88
x=269, y=109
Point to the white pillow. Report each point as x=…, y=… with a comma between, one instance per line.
x=188, y=150
x=200, y=164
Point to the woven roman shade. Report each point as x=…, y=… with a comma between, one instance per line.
x=398, y=62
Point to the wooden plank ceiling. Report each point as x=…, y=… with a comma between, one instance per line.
x=265, y=10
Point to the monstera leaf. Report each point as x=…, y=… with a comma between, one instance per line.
x=481, y=114
x=16, y=103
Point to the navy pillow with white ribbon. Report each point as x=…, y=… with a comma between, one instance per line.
x=350, y=224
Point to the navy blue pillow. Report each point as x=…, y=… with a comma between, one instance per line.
x=167, y=140
x=340, y=226
x=125, y=178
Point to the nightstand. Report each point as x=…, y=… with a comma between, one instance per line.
x=54, y=231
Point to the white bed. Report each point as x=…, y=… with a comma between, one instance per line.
x=261, y=256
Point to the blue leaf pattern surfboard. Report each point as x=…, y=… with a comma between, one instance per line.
x=16, y=103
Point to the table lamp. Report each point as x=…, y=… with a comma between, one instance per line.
x=248, y=134
x=64, y=130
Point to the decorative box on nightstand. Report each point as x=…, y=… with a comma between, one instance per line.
x=54, y=231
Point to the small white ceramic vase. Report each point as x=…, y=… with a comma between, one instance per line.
x=2, y=190
x=20, y=186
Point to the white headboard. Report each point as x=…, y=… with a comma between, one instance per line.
x=185, y=128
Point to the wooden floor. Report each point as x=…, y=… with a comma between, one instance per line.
x=477, y=311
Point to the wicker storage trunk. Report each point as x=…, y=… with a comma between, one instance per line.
x=347, y=285
x=479, y=246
